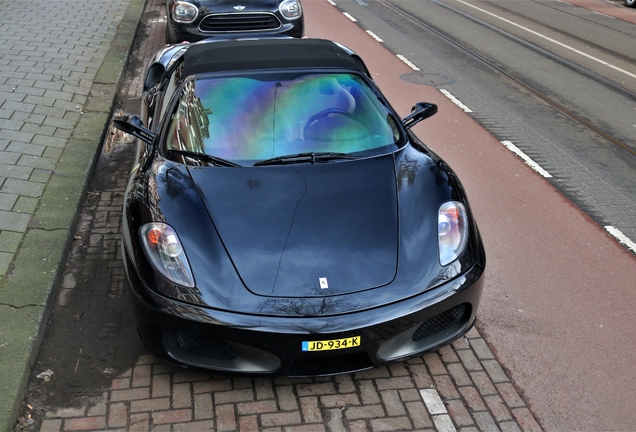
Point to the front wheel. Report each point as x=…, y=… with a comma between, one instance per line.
x=630, y=3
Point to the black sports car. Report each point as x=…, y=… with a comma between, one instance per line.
x=195, y=20
x=282, y=219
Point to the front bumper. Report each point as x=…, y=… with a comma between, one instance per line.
x=202, y=338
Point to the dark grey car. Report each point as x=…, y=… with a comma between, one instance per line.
x=195, y=20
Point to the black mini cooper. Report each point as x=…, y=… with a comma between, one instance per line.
x=195, y=20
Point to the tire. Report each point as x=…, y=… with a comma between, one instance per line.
x=630, y=3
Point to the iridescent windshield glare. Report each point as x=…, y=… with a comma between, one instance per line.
x=251, y=118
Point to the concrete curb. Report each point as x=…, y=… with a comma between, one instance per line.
x=29, y=289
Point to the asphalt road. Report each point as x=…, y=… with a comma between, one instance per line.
x=556, y=316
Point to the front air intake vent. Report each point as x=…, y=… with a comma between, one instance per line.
x=442, y=321
x=186, y=343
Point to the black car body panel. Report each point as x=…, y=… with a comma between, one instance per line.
x=302, y=251
x=295, y=226
x=217, y=18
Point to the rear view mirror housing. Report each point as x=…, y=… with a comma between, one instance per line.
x=419, y=112
x=134, y=126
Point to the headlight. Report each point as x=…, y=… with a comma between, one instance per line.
x=290, y=9
x=164, y=249
x=452, y=231
x=184, y=12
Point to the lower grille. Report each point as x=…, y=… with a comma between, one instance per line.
x=442, y=321
x=240, y=22
x=181, y=342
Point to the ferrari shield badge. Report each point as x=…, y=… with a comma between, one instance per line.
x=323, y=283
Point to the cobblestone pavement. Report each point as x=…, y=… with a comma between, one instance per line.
x=103, y=379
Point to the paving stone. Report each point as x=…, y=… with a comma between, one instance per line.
x=7, y=201
x=12, y=221
x=526, y=420
x=459, y=375
x=171, y=416
x=458, y=412
x=364, y=412
x=233, y=396
x=392, y=403
x=340, y=400
x=154, y=404
x=391, y=424
x=473, y=398
x=280, y=419
x=315, y=389
x=368, y=392
x=420, y=375
x=9, y=241
x=443, y=423
x=434, y=364
x=481, y=349
x=334, y=421
x=445, y=386
x=498, y=408
x=469, y=360
x=483, y=383
x=419, y=414
x=485, y=422
x=258, y=407
x=510, y=395
x=203, y=406
x=310, y=409
x=286, y=398
x=495, y=371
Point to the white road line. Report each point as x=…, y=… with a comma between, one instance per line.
x=374, y=36
x=602, y=14
x=622, y=238
x=350, y=17
x=532, y=164
x=433, y=401
x=604, y=63
x=408, y=62
x=332, y=3
x=455, y=100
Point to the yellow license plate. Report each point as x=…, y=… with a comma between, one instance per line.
x=334, y=344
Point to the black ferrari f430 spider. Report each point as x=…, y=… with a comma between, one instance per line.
x=281, y=219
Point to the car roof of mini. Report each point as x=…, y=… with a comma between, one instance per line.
x=270, y=53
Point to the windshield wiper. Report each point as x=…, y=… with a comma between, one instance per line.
x=311, y=157
x=215, y=160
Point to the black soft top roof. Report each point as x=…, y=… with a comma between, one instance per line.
x=236, y=55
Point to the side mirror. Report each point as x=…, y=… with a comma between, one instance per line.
x=134, y=126
x=421, y=111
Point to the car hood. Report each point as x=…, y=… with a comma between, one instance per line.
x=306, y=230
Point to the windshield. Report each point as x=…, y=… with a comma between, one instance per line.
x=251, y=118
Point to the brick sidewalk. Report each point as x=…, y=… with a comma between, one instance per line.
x=462, y=387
